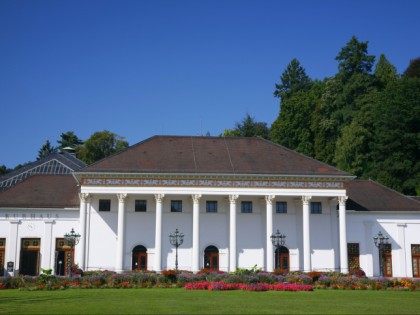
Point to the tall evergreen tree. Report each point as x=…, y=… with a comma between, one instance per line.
x=69, y=139
x=292, y=80
x=353, y=58
x=45, y=150
x=384, y=72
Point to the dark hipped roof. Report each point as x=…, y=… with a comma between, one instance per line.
x=58, y=163
x=180, y=154
x=367, y=195
x=42, y=191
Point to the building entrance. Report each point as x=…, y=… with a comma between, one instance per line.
x=29, y=256
x=64, y=257
x=139, y=261
x=211, y=258
x=282, y=259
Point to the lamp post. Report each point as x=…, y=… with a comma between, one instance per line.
x=278, y=240
x=176, y=239
x=380, y=242
x=73, y=239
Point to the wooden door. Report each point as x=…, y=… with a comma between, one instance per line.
x=140, y=261
x=282, y=260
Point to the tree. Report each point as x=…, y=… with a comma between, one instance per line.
x=248, y=128
x=353, y=58
x=45, y=150
x=69, y=139
x=292, y=128
x=293, y=80
x=384, y=72
x=413, y=69
x=4, y=170
x=100, y=145
x=396, y=148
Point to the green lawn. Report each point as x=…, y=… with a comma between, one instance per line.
x=180, y=301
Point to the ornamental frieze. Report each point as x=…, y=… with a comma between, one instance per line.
x=148, y=182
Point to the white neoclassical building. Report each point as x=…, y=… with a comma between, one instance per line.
x=228, y=196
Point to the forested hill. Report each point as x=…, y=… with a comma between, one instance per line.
x=364, y=120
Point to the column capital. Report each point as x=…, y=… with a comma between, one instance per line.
x=269, y=199
x=342, y=200
x=306, y=199
x=122, y=198
x=84, y=197
x=233, y=198
x=196, y=198
x=159, y=197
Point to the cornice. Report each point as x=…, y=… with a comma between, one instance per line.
x=211, y=180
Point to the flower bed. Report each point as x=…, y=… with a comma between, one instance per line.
x=222, y=286
x=255, y=280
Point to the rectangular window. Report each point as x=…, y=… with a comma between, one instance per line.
x=246, y=206
x=316, y=207
x=176, y=205
x=281, y=207
x=211, y=206
x=140, y=205
x=104, y=205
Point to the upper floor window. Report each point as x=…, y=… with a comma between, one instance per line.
x=246, y=206
x=211, y=206
x=104, y=205
x=281, y=207
x=176, y=205
x=140, y=205
x=316, y=207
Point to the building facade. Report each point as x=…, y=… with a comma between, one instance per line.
x=228, y=196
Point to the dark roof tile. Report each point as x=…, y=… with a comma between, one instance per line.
x=176, y=154
x=367, y=195
x=42, y=191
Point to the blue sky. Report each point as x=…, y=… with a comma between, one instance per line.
x=142, y=68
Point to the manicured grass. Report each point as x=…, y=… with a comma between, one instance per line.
x=180, y=301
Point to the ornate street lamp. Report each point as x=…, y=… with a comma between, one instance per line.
x=278, y=240
x=176, y=239
x=380, y=242
x=73, y=239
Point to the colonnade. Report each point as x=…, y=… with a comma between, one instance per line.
x=307, y=266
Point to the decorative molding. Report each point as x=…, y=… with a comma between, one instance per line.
x=342, y=200
x=159, y=197
x=122, y=198
x=306, y=199
x=196, y=198
x=84, y=197
x=233, y=198
x=202, y=182
x=269, y=199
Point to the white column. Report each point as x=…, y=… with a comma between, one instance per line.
x=12, y=245
x=47, y=247
x=196, y=233
x=82, y=243
x=306, y=234
x=344, y=263
x=269, y=245
x=158, y=233
x=232, y=233
x=120, y=233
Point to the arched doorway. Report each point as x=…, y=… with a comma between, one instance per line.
x=211, y=258
x=139, y=261
x=282, y=259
